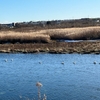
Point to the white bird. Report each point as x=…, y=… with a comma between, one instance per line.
x=62, y=63
x=94, y=62
x=74, y=62
x=6, y=60
x=11, y=59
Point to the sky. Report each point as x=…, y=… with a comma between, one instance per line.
x=44, y=10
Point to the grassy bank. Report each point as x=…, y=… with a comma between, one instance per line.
x=57, y=47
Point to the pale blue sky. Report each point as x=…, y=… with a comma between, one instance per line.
x=35, y=10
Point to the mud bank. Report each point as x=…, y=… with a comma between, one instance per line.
x=83, y=47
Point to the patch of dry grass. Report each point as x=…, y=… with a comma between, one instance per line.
x=45, y=36
x=56, y=47
x=72, y=33
x=23, y=37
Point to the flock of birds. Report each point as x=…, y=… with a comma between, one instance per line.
x=75, y=63
x=41, y=62
x=7, y=60
x=61, y=62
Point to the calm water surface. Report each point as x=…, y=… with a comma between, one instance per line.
x=64, y=76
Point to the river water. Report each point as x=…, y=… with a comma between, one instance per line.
x=64, y=76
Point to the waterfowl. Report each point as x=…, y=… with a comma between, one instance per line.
x=94, y=62
x=62, y=63
x=6, y=60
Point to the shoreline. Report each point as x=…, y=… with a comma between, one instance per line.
x=52, y=41
x=84, y=47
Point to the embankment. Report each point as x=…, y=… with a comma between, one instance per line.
x=57, y=47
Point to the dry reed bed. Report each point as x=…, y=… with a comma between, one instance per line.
x=72, y=33
x=45, y=36
x=11, y=36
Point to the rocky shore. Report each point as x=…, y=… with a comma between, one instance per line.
x=84, y=47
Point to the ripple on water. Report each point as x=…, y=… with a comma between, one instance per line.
x=2, y=93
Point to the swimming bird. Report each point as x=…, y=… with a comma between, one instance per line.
x=6, y=60
x=74, y=62
x=40, y=62
x=11, y=59
x=62, y=63
x=94, y=62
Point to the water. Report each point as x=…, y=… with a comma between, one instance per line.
x=64, y=76
x=95, y=40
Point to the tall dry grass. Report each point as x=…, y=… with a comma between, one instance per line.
x=45, y=36
x=72, y=33
x=23, y=37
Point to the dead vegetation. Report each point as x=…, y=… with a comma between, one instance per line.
x=46, y=36
x=57, y=47
x=49, y=41
x=14, y=37
x=75, y=33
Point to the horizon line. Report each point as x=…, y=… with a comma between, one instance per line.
x=51, y=20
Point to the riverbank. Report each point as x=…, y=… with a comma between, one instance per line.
x=56, y=47
x=50, y=41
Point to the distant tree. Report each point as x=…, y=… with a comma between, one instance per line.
x=0, y=27
x=48, y=22
x=17, y=25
